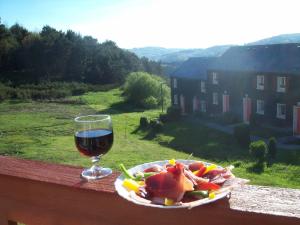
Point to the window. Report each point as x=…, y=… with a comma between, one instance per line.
x=202, y=87
x=260, y=107
x=260, y=82
x=281, y=84
x=175, y=100
x=174, y=83
x=215, y=98
x=215, y=78
x=281, y=111
x=202, y=106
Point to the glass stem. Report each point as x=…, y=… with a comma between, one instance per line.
x=95, y=161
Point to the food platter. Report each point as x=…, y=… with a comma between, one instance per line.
x=134, y=198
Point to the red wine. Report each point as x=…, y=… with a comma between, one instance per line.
x=94, y=142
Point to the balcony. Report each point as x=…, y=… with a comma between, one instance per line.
x=38, y=193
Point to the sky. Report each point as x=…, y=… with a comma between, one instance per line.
x=163, y=23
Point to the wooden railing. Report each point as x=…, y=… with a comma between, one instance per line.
x=37, y=193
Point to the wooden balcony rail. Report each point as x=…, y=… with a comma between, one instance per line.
x=38, y=193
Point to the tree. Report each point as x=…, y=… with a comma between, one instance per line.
x=18, y=32
x=8, y=44
x=52, y=55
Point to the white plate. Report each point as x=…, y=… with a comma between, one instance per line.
x=132, y=197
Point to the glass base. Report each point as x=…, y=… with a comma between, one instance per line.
x=95, y=172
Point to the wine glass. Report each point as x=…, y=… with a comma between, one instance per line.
x=94, y=137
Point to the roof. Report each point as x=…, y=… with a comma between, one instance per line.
x=276, y=58
x=194, y=68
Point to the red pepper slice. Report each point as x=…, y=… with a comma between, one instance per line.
x=201, y=171
x=208, y=186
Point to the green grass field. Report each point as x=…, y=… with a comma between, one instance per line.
x=44, y=131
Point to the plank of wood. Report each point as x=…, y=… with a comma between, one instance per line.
x=65, y=175
x=42, y=193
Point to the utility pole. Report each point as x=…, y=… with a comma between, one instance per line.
x=162, y=98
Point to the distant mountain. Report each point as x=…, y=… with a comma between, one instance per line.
x=279, y=39
x=153, y=53
x=171, y=55
x=183, y=55
x=171, y=58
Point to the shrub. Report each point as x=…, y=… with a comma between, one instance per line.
x=144, y=122
x=144, y=89
x=259, y=150
x=79, y=90
x=23, y=94
x=150, y=102
x=5, y=92
x=59, y=93
x=48, y=90
x=272, y=145
x=43, y=91
x=242, y=135
x=257, y=168
x=237, y=164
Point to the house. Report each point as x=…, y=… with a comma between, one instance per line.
x=188, y=84
x=260, y=81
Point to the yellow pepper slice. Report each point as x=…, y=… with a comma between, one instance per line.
x=209, y=168
x=131, y=185
x=211, y=195
x=172, y=161
x=195, y=172
x=169, y=201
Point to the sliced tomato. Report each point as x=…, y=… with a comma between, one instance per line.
x=208, y=186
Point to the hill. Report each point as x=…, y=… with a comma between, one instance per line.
x=171, y=58
x=173, y=55
x=279, y=39
x=153, y=53
x=176, y=55
x=183, y=55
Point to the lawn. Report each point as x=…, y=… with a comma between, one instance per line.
x=44, y=131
